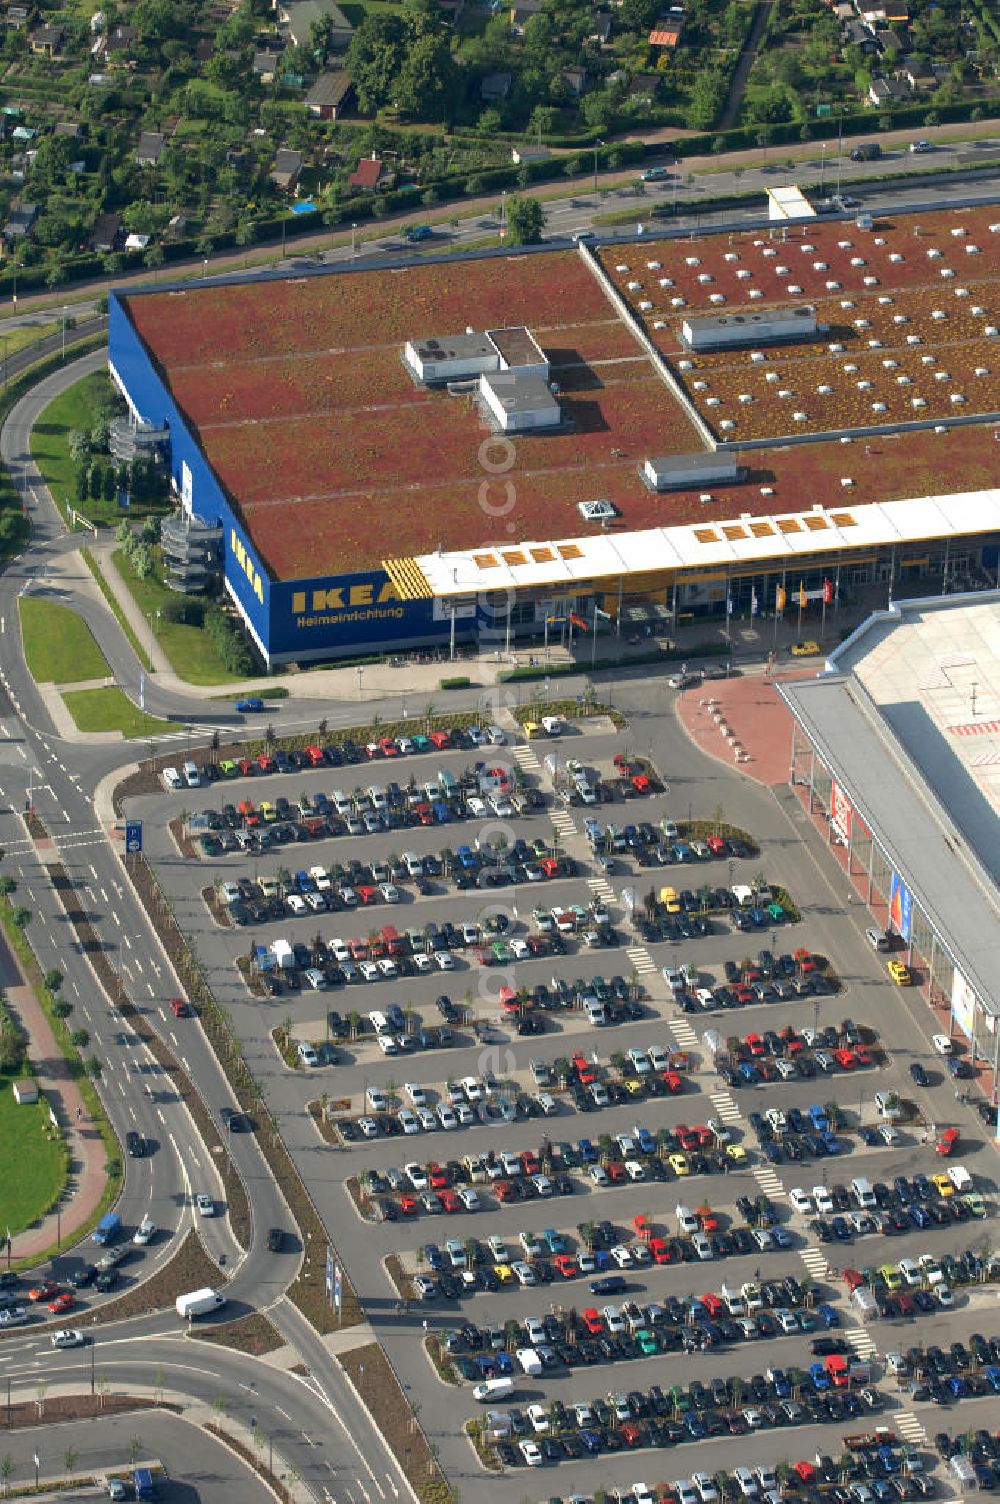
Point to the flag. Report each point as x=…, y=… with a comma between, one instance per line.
x=329, y=1271
x=729, y=605
x=802, y=595
x=780, y=597
x=827, y=592
x=579, y=622
x=753, y=603
x=604, y=615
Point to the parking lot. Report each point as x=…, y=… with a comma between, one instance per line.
x=674, y=1122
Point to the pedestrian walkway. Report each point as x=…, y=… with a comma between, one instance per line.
x=85, y=1185
x=861, y=1341
x=683, y=1033
x=770, y=1183
x=743, y=723
x=815, y=1262
x=726, y=1109
x=910, y=1428
x=640, y=959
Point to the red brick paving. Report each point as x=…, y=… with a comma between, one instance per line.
x=755, y=715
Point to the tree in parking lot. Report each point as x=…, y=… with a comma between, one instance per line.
x=354, y=1022
x=512, y=1334
x=617, y=1062
x=605, y=1147
x=832, y=1110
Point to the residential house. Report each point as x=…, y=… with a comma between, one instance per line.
x=368, y=175
x=286, y=169
x=71, y=128
x=886, y=91
x=856, y=34
x=107, y=233
x=328, y=96
x=150, y=148
x=121, y=39
x=644, y=87
x=521, y=13
x=296, y=18
x=46, y=41
x=495, y=87
x=666, y=34
x=20, y=220
x=265, y=65
x=16, y=16
x=918, y=74
x=575, y=80
x=204, y=51
x=601, y=33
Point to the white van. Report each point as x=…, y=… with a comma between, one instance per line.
x=493, y=1389
x=594, y=1011
x=877, y=939
x=863, y=1194
x=529, y=1360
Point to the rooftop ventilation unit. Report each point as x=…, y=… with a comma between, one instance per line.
x=597, y=511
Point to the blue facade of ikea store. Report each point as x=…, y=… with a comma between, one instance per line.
x=290, y=620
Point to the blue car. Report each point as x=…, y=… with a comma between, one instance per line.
x=749, y=1072
x=829, y=1315
x=918, y=1215
x=693, y=1426
x=782, y=1237
x=250, y=706
x=589, y=1440
x=645, y=1140
x=587, y=1152
x=991, y=1373
x=434, y=1256
x=831, y=1143
x=557, y=1241
x=820, y=1377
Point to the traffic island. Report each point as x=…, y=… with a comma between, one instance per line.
x=379, y=1390
x=252, y=1334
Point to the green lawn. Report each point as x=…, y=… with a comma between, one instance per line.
x=192, y=656
x=112, y=710
x=58, y=644
x=33, y=1162
x=77, y=407
x=28, y=334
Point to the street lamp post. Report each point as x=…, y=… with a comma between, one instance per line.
x=361, y=670
x=597, y=147
x=354, y=240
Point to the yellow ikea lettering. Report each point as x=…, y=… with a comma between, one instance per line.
x=247, y=565
x=336, y=598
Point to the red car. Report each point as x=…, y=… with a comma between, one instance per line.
x=437, y=1177
x=615, y=1171
x=503, y=1190
x=716, y=845
x=44, y=1291
x=632, y=1434
x=388, y=746
x=63, y=1302
x=844, y=1059
x=624, y=764
x=685, y=1136
x=530, y=1161
x=672, y=1082
x=755, y=1044
x=314, y=756
x=706, y=1138
x=861, y=1055
x=247, y=766
x=805, y=1470
x=549, y=866
x=742, y=993
x=407, y=1205
x=791, y=1041
x=805, y=960
x=265, y=763
x=660, y=1249
x=713, y=1304
x=179, y=1008
x=592, y=1320
x=441, y=739
x=566, y=1264
x=424, y=814
x=584, y=1070
x=641, y=783
x=366, y=893
x=450, y=1201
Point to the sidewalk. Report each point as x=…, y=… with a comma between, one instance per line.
x=85, y=1184
x=744, y=723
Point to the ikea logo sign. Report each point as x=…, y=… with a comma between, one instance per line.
x=342, y=598
x=243, y=558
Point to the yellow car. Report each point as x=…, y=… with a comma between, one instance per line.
x=899, y=973
x=531, y=729
x=670, y=901
x=268, y=812
x=505, y=1274
x=736, y=1152
x=892, y=1277
x=268, y=886
x=679, y=1164
x=805, y=649
x=943, y=1185
x=633, y=1088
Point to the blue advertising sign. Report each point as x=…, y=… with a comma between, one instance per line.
x=133, y=835
x=900, y=907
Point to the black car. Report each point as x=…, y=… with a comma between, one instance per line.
x=106, y=1279
x=135, y=1144
x=85, y=1275
x=275, y=1240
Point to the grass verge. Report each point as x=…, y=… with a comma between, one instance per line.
x=78, y=407
x=374, y=1378
x=116, y=610
x=192, y=656
x=58, y=644
x=19, y=944
x=111, y=710
x=34, y=1160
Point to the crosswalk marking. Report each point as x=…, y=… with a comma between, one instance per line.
x=909, y=1427
x=725, y=1106
x=683, y=1032
x=563, y=822
x=601, y=888
x=641, y=959
x=527, y=759
x=862, y=1342
x=768, y=1180
x=815, y=1262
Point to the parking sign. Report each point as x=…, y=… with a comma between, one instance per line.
x=133, y=835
